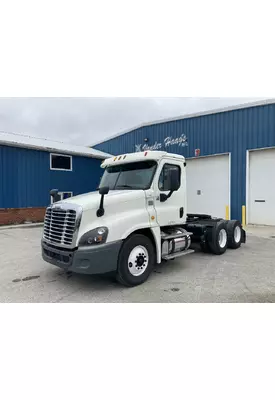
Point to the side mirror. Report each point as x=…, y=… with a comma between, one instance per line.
x=174, y=180
x=104, y=190
x=55, y=196
x=173, y=184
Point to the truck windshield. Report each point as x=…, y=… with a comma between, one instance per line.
x=136, y=176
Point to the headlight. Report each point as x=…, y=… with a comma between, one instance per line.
x=95, y=236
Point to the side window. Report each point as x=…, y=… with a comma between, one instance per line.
x=60, y=162
x=164, y=182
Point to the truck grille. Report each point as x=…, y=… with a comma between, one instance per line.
x=60, y=225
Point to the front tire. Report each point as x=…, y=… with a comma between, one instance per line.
x=136, y=261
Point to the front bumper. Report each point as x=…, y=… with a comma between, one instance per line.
x=89, y=260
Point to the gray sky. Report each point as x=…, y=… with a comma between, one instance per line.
x=84, y=121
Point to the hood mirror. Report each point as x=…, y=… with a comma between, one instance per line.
x=103, y=191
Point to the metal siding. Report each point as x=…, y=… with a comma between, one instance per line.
x=26, y=178
x=231, y=131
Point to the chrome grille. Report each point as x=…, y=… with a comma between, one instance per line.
x=60, y=225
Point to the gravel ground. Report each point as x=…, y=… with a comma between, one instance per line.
x=245, y=275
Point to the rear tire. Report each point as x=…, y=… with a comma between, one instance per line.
x=136, y=261
x=218, y=239
x=234, y=229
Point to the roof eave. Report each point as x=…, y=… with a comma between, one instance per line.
x=99, y=156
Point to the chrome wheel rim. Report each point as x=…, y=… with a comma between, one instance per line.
x=138, y=260
x=237, y=234
x=222, y=238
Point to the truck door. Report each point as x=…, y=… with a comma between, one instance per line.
x=172, y=210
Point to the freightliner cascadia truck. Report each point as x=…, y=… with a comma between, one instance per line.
x=136, y=219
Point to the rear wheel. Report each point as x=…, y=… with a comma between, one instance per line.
x=234, y=229
x=136, y=260
x=218, y=239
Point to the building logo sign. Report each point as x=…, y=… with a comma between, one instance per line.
x=168, y=142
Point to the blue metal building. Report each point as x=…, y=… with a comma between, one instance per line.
x=236, y=133
x=31, y=167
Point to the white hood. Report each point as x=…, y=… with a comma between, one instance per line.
x=91, y=200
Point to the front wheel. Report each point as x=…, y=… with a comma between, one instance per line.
x=136, y=260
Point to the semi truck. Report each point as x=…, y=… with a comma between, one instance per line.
x=137, y=218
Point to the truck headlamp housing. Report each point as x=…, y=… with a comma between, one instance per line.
x=94, y=237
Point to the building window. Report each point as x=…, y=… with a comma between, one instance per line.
x=63, y=196
x=61, y=162
x=164, y=182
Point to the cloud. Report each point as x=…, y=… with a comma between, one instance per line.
x=87, y=120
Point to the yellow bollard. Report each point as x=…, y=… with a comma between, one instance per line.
x=227, y=213
x=243, y=215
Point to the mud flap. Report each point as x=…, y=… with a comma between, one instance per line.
x=243, y=239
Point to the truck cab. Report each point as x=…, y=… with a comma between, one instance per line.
x=136, y=219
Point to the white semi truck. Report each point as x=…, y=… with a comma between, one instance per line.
x=137, y=219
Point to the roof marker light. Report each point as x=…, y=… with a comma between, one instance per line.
x=145, y=154
x=124, y=157
x=119, y=158
x=115, y=158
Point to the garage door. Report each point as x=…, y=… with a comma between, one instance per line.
x=261, y=186
x=208, y=185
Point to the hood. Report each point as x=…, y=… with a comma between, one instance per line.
x=91, y=200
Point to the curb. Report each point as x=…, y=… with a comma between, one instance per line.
x=21, y=226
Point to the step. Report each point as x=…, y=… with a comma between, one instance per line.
x=177, y=255
x=178, y=235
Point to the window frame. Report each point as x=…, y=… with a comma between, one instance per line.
x=61, y=169
x=62, y=193
x=172, y=165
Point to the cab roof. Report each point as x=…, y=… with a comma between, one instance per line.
x=140, y=156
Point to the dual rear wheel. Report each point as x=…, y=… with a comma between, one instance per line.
x=225, y=234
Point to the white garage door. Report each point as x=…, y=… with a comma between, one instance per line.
x=261, y=186
x=208, y=185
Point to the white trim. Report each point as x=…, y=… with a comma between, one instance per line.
x=60, y=169
x=62, y=193
x=247, y=200
x=262, y=148
x=229, y=172
x=209, y=155
x=229, y=189
x=194, y=115
x=247, y=183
